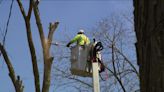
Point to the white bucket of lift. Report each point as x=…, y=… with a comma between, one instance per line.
x=79, y=64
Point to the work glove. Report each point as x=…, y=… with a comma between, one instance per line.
x=68, y=44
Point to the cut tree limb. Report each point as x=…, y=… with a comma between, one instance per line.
x=16, y=82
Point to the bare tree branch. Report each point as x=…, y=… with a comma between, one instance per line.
x=127, y=61
x=115, y=73
x=31, y=44
x=78, y=80
x=39, y=25
x=45, y=46
x=29, y=10
x=120, y=81
x=68, y=76
x=52, y=28
x=33, y=56
x=22, y=9
x=16, y=82
x=111, y=33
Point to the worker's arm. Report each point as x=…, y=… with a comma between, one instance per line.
x=75, y=39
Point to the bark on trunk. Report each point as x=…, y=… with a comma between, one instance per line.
x=149, y=28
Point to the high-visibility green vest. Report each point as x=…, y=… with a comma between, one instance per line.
x=81, y=39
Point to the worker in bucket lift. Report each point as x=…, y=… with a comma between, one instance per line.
x=80, y=38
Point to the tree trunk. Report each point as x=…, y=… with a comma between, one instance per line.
x=149, y=28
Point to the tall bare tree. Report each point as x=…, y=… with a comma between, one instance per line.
x=46, y=45
x=118, y=39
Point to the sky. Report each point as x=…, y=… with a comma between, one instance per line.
x=72, y=15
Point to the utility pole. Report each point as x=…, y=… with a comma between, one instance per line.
x=95, y=70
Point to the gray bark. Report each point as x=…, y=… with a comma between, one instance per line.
x=149, y=28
